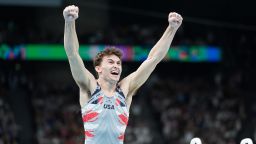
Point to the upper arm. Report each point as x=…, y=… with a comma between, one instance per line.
x=84, y=79
x=135, y=80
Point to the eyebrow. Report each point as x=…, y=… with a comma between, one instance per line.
x=109, y=59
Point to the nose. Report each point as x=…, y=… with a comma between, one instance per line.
x=116, y=65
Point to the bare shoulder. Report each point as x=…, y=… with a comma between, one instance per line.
x=84, y=97
x=88, y=88
x=86, y=92
x=93, y=86
x=124, y=85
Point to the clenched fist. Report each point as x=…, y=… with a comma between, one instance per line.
x=70, y=13
x=174, y=20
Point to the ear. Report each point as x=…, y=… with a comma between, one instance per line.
x=98, y=69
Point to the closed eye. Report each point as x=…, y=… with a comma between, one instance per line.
x=110, y=61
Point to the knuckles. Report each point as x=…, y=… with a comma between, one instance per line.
x=174, y=19
x=70, y=12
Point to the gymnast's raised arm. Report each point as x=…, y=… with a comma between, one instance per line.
x=84, y=79
x=132, y=82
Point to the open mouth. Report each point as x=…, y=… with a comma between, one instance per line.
x=114, y=73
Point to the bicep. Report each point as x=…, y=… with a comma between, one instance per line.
x=136, y=79
x=83, y=78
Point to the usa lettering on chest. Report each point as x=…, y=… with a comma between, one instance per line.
x=108, y=106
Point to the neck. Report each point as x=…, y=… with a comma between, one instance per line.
x=107, y=86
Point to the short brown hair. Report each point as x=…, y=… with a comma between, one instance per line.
x=106, y=52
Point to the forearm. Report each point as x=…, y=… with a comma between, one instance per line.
x=71, y=47
x=70, y=39
x=161, y=48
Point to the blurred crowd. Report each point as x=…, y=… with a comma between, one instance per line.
x=8, y=126
x=18, y=32
x=199, y=107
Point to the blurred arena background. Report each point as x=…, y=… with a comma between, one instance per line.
x=188, y=95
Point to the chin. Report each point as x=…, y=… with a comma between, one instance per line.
x=116, y=79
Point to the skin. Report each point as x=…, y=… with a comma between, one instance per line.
x=109, y=65
x=108, y=82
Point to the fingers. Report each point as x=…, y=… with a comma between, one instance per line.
x=70, y=13
x=175, y=16
x=72, y=9
x=175, y=19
